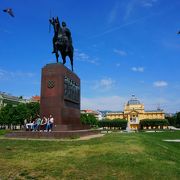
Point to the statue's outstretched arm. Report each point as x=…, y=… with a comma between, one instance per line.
x=51, y=21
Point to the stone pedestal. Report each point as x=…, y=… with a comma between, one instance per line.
x=60, y=96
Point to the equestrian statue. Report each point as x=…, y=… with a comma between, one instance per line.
x=62, y=41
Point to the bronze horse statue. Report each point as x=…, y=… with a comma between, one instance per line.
x=61, y=42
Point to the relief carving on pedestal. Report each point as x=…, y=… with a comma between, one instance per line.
x=71, y=90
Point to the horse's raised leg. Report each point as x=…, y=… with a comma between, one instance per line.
x=71, y=59
x=64, y=59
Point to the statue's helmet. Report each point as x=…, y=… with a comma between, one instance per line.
x=63, y=24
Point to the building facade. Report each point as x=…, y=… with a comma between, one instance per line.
x=10, y=99
x=134, y=112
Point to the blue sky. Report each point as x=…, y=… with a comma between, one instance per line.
x=121, y=48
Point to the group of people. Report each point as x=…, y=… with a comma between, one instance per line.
x=44, y=124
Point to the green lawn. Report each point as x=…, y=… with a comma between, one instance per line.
x=114, y=156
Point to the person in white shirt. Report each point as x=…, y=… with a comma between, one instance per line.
x=50, y=123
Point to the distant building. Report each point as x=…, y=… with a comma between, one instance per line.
x=134, y=112
x=8, y=99
x=35, y=99
x=97, y=114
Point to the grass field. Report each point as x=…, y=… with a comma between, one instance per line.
x=113, y=156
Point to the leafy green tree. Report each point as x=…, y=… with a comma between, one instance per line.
x=15, y=115
x=5, y=115
x=21, y=112
x=34, y=109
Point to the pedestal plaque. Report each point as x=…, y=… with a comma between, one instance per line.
x=60, y=96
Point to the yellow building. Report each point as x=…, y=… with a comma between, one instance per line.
x=134, y=112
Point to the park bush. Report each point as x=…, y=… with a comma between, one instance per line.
x=153, y=123
x=115, y=123
x=174, y=120
x=89, y=119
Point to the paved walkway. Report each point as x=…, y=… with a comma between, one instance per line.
x=60, y=139
x=174, y=128
x=90, y=137
x=172, y=140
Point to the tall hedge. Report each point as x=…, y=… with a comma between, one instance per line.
x=115, y=123
x=153, y=122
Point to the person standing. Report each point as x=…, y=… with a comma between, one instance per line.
x=50, y=123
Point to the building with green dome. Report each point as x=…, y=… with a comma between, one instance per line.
x=134, y=112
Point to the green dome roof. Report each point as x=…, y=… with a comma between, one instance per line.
x=133, y=101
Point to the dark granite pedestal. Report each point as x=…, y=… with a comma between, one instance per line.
x=60, y=97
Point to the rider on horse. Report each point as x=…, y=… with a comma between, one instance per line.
x=62, y=41
x=66, y=35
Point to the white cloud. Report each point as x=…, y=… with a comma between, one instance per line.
x=135, y=4
x=120, y=52
x=160, y=84
x=5, y=31
x=116, y=28
x=148, y=3
x=137, y=69
x=81, y=56
x=113, y=13
x=104, y=84
x=118, y=64
x=114, y=103
x=6, y=75
x=129, y=8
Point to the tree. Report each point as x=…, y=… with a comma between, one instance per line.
x=34, y=109
x=6, y=115
x=15, y=115
x=88, y=119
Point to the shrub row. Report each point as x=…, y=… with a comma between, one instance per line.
x=116, y=123
x=153, y=122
